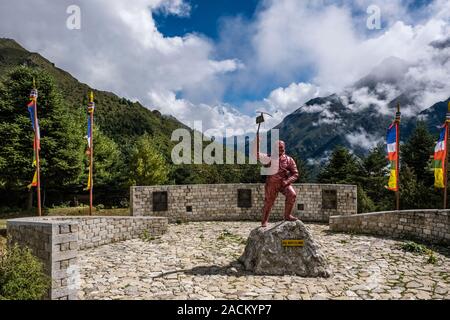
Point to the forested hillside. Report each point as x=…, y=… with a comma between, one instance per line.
x=132, y=143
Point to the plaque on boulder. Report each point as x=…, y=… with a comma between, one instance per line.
x=287, y=248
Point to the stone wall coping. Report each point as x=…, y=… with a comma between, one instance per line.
x=49, y=221
x=368, y=214
x=56, y=241
x=243, y=184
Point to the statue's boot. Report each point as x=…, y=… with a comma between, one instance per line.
x=290, y=218
x=265, y=219
x=288, y=206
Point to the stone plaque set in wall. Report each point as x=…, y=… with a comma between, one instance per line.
x=160, y=201
x=329, y=199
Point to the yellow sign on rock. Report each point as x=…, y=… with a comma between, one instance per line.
x=293, y=243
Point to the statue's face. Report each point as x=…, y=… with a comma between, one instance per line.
x=281, y=147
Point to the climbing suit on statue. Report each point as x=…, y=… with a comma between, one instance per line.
x=281, y=181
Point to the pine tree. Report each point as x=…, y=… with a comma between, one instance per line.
x=109, y=171
x=416, y=152
x=342, y=167
x=375, y=178
x=303, y=170
x=61, y=133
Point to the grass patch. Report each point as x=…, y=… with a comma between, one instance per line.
x=181, y=221
x=146, y=237
x=81, y=211
x=431, y=257
x=228, y=236
x=2, y=244
x=411, y=246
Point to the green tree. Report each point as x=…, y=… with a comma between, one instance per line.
x=342, y=167
x=303, y=170
x=109, y=168
x=22, y=275
x=375, y=179
x=365, y=203
x=147, y=165
x=409, y=189
x=60, y=127
x=416, y=152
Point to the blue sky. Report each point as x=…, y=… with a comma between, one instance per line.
x=204, y=17
x=207, y=17
x=220, y=60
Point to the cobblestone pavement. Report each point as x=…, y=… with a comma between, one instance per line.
x=198, y=261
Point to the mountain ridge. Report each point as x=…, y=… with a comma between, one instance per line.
x=357, y=118
x=119, y=118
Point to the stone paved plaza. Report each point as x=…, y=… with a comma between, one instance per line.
x=198, y=261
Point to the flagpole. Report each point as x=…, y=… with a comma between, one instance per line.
x=34, y=94
x=397, y=193
x=447, y=120
x=91, y=151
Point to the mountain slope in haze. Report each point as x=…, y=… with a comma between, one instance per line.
x=358, y=117
x=118, y=118
x=435, y=115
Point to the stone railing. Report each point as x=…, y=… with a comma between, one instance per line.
x=431, y=226
x=315, y=202
x=56, y=241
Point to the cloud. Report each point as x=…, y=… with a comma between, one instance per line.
x=332, y=48
x=118, y=47
x=326, y=40
x=174, y=7
x=216, y=119
x=289, y=52
x=378, y=98
x=327, y=117
x=361, y=139
x=431, y=77
x=291, y=98
x=315, y=108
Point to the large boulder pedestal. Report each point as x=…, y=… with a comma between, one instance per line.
x=268, y=253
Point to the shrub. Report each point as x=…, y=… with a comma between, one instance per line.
x=411, y=246
x=22, y=275
x=124, y=203
x=146, y=237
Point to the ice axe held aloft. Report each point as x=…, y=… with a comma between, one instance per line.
x=259, y=119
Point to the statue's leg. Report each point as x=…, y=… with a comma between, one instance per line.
x=270, y=195
x=291, y=196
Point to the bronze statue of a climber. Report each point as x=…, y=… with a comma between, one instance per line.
x=280, y=181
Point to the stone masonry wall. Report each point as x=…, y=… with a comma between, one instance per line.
x=220, y=202
x=56, y=241
x=431, y=226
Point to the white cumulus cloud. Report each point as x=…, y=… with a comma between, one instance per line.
x=360, y=138
x=294, y=96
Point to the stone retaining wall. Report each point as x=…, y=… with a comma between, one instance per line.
x=56, y=241
x=220, y=202
x=431, y=226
